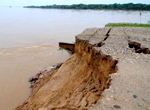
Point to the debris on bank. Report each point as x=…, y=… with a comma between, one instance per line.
x=41, y=74
x=67, y=46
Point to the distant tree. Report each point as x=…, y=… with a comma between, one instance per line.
x=128, y=6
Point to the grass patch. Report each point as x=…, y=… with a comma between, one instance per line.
x=126, y=25
x=60, y=48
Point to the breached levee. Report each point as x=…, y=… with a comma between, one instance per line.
x=81, y=80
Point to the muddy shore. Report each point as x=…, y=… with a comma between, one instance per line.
x=109, y=70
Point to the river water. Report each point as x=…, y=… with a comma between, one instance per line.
x=29, y=42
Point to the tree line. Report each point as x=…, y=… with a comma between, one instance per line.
x=115, y=6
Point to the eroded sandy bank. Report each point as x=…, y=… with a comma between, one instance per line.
x=102, y=57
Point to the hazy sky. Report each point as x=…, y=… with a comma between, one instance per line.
x=51, y=2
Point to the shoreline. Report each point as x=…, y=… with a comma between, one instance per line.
x=94, y=9
x=115, y=6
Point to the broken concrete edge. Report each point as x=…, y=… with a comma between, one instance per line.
x=83, y=40
x=88, y=32
x=67, y=46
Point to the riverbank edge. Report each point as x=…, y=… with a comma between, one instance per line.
x=84, y=47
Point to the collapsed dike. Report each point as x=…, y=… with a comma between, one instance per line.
x=79, y=82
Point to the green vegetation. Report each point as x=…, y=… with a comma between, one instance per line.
x=126, y=25
x=60, y=48
x=128, y=6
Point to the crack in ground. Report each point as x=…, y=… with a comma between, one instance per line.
x=100, y=44
x=138, y=48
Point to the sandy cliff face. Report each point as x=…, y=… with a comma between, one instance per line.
x=81, y=80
